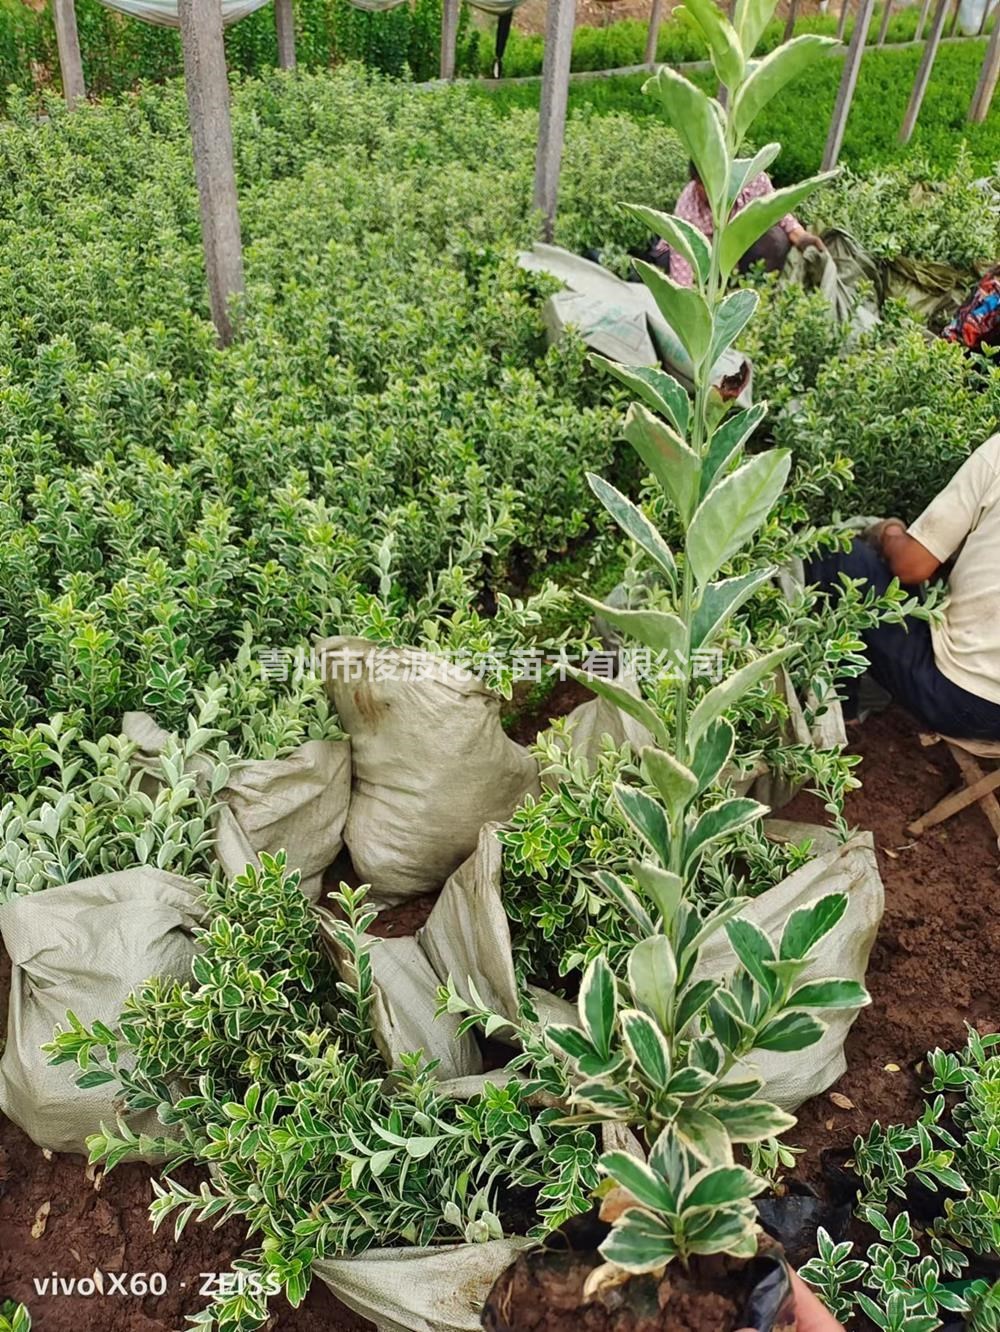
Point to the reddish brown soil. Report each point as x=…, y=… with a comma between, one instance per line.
x=934, y=966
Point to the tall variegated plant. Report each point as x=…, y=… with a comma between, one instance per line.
x=661, y=1046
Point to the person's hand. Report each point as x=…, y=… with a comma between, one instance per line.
x=802, y=240
x=876, y=534
x=811, y=1315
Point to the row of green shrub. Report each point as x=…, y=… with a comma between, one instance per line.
x=120, y=53
x=390, y=421
x=800, y=119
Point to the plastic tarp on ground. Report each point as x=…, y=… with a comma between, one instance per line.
x=620, y=319
x=164, y=12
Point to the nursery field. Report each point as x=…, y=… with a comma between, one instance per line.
x=430, y=795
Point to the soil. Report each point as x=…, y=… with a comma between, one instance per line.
x=544, y=1292
x=933, y=968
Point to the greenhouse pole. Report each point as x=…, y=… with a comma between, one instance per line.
x=986, y=86
x=284, y=23
x=886, y=16
x=560, y=21
x=924, y=72
x=848, y=82
x=449, y=38
x=793, y=11
x=925, y=9
x=653, y=32
x=68, y=44
x=207, y=86
x=845, y=9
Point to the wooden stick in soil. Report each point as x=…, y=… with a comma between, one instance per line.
x=848, y=83
x=886, y=16
x=653, y=33
x=793, y=11
x=68, y=44
x=985, y=88
x=559, y=25
x=979, y=792
x=284, y=23
x=207, y=87
x=449, y=38
x=845, y=9
x=924, y=72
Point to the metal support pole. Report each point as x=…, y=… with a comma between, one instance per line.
x=924, y=72
x=284, y=22
x=68, y=44
x=793, y=13
x=925, y=9
x=207, y=87
x=845, y=10
x=886, y=16
x=560, y=22
x=848, y=82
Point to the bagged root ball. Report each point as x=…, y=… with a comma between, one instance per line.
x=83, y=948
x=431, y=763
x=297, y=804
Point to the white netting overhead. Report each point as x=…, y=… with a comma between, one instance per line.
x=164, y=12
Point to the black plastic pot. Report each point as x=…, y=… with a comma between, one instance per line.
x=542, y=1290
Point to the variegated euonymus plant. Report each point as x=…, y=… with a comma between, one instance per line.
x=660, y=1047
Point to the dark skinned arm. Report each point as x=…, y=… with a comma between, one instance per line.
x=911, y=562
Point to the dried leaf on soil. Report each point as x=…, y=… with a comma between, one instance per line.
x=41, y=1220
x=841, y=1101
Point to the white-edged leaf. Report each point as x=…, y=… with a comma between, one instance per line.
x=629, y=703
x=733, y=510
x=681, y=235
x=719, y=601
x=727, y=440
x=652, y=976
x=658, y=390
x=646, y=817
x=664, y=888
x=675, y=466
x=699, y=127
x=806, y=926
x=723, y=43
x=634, y=524
x=760, y=215
x=676, y=784
x=769, y=75
x=684, y=309
x=647, y=1047
x=731, y=690
x=731, y=318
x=598, y=1004
x=660, y=630
x=831, y=993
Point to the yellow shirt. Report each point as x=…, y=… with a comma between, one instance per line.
x=965, y=517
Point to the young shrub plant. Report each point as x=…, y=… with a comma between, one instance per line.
x=659, y=1046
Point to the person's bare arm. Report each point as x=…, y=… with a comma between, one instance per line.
x=911, y=562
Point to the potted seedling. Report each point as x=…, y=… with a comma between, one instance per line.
x=660, y=1047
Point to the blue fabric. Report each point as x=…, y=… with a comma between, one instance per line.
x=901, y=656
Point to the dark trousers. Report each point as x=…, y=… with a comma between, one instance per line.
x=901, y=656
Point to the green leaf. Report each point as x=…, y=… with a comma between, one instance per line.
x=692, y=1001
x=723, y=43
x=727, y=440
x=95, y=1078
x=750, y=18
x=791, y=1031
x=634, y=524
x=684, y=309
x=652, y=975
x=695, y=118
x=771, y=74
x=712, y=752
x=663, y=888
x=721, y=600
x=658, y=390
x=703, y=1135
x=683, y=236
x=676, y=467
x=720, y=1185
x=720, y=822
x=569, y=1041
x=753, y=1121
x=646, y=817
x=598, y=1004
x=731, y=690
x=629, y=703
x=733, y=510
x=753, y=948
x=621, y=893
x=731, y=318
x=831, y=994
x=647, y=1047
x=639, y=1242
x=746, y=169
x=808, y=925
x=645, y=1185
x=759, y=216
x=658, y=630
x=676, y=784
x=729, y=1232
x=690, y=1082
